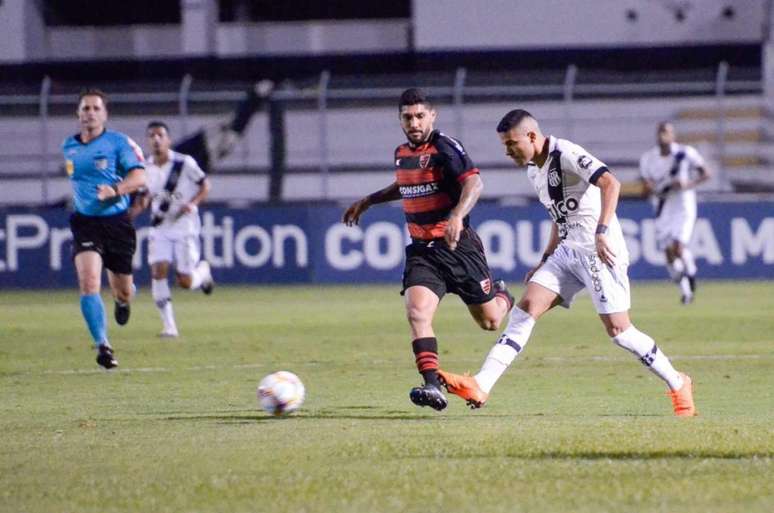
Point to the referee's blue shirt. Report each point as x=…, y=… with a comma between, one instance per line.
x=105, y=160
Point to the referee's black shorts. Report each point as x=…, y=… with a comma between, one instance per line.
x=113, y=237
x=463, y=271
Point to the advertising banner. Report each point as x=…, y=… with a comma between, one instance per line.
x=309, y=244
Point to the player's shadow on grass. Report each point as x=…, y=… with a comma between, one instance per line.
x=222, y=419
x=341, y=413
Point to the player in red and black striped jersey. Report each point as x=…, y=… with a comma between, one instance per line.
x=439, y=186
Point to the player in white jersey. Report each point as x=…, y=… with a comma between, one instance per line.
x=586, y=251
x=176, y=185
x=670, y=173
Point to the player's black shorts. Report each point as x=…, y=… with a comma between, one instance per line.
x=113, y=237
x=463, y=271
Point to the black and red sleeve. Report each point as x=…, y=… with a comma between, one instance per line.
x=458, y=163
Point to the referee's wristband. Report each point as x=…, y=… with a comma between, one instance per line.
x=601, y=229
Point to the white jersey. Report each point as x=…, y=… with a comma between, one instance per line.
x=565, y=186
x=187, y=187
x=662, y=170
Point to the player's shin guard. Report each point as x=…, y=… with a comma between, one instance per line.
x=426, y=358
x=93, y=310
x=508, y=346
x=163, y=299
x=645, y=348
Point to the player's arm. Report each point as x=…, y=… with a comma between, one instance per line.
x=353, y=213
x=201, y=195
x=610, y=188
x=204, y=190
x=133, y=181
x=472, y=186
x=553, y=242
x=647, y=185
x=140, y=202
x=704, y=175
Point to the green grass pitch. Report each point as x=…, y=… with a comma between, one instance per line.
x=575, y=425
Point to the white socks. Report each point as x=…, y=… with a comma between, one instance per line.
x=680, y=269
x=650, y=355
x=689, y=262
x=163, y=299
x=508, y=346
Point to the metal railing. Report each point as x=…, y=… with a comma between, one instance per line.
x=457, y=93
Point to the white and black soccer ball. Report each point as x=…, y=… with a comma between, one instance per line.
x=280, y=393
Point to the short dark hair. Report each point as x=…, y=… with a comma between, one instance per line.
x=93, y=91
x=662, y=124
x=414, y=96
x=157, y=124
x=512, y=120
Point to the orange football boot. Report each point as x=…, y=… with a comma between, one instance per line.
x=464, y=386
x=682, y=400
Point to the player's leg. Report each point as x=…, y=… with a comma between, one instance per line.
x=122, y=287
x=88, y=266
x=191, y=272
x=627, y=336
x=467, y=274
x=160, y=257
x=120, y=242
x=489, y=315
x=665, y=236
x=421, y=305
x=684, y=253
x=679, y=271
x=162, y=297
x=88, y=245
x=610, y=293
x=423, y=288
x=547, y=288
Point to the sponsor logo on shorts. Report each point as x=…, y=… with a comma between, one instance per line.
x=595, y=279
x=486, y=285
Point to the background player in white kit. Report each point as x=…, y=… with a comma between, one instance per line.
x=670, y=173
x=586, y=251
x=176, y=185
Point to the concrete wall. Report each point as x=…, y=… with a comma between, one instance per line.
x=508, y=24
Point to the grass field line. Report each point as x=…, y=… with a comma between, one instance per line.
x=198, y=368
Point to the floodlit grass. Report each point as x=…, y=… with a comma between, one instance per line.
x=575, y=425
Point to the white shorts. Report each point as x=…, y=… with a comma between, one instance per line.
x=675, y=224
x=568, y=271
x=181, y=249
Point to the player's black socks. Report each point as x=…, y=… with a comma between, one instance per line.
x=426, y=358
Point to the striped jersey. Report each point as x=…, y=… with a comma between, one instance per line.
x=565, y=185
x=429, y=177
x=681, y=164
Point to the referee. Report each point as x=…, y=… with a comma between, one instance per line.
x=104, y=167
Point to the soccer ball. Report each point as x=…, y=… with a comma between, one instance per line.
x=280, y=393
